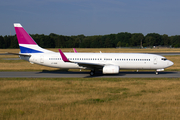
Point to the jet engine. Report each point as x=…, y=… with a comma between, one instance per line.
x=110, y=69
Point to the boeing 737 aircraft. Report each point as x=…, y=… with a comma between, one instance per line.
x=109, y=63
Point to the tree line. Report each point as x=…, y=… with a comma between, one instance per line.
x=123, y=39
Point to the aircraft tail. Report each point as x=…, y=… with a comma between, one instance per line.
x=26, y=42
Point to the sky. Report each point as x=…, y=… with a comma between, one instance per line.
x=91, y=17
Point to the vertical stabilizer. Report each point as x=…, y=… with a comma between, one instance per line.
x=26, y=42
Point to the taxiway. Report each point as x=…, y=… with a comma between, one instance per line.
x=59, y=74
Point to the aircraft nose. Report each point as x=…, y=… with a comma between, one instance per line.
x=170, y=63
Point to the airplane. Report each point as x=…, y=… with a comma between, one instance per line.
x=108, y=63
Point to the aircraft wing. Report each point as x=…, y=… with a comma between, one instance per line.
x=91, y=65
x=83, y=64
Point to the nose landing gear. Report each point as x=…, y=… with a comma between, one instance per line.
x=156, y=73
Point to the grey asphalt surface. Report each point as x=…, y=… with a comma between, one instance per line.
x=176, y=53
x=59, y=74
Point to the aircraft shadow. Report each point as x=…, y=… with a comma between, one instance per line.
x=62, y=72
x=130, y=74
x=99, y=73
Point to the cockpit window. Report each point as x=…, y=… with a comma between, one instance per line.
x=164, y=59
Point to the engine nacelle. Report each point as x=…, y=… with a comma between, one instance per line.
x=110, y=69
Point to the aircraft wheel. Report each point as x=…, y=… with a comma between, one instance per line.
x=92, y=72
x=157, y=73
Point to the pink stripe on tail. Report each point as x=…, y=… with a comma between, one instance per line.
x=22, y=36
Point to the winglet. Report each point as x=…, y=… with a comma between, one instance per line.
x=74, y=50
x=63, y=56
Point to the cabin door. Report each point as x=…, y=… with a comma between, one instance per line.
x=41, y=59
x=155, y=60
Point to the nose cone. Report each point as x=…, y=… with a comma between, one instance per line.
x=170, y=63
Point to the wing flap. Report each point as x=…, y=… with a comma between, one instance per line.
x=91, y=65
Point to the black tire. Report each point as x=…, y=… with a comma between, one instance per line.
x=156, y=73
x=92, y=73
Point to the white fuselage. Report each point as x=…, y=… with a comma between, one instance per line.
x=123, y=60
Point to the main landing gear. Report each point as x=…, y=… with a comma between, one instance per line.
x=156, y=73
x=92, y=73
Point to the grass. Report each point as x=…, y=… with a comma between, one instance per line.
x=90, y=98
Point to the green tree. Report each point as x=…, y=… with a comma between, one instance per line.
x=175, y=41
x=153, y=39
x=2, y=44
x=7, y=41
x=85, y=43
x=136, y=39
x=108, y=43
x=119, y=44
x=165, y=40
x=124, y=38
x=95, y=41
x=14, y=42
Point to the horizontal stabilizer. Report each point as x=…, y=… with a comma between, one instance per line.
x=18, y=54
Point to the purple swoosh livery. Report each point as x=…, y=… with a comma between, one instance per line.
x=63, y=56
x=22, y=36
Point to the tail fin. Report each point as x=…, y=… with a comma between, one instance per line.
x=26, y=43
